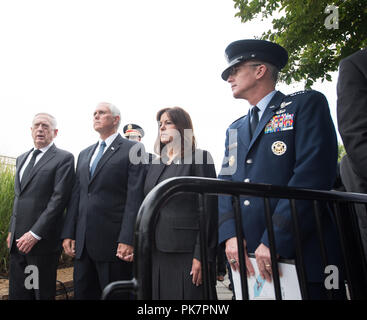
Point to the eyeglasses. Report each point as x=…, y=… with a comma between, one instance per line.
x=233, y=71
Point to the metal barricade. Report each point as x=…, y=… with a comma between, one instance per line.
x=341, y=204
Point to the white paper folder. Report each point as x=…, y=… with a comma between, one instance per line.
x=260, y=289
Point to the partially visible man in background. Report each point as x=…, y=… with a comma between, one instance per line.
x=43, y=181
x=352, y=126
x=135, y=132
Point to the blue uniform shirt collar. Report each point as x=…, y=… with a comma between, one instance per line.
x=263, y=103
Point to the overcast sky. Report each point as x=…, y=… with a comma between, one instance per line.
x=63, y=57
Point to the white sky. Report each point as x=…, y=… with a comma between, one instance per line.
x=65, y=56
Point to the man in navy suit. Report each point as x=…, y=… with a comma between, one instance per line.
x=106, y=197
x=283, y=140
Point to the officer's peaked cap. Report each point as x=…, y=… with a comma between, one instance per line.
x=250, y=49
x=132, y=129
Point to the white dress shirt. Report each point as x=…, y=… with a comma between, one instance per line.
x=43, y=151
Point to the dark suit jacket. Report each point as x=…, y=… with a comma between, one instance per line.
x=103, y=208
x=352, y=125
x=40, y=204
x=294, y=145
x=352, y=110
x=178, y=223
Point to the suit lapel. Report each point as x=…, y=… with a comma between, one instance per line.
x=156, y=171
x=21, y=162
x=86, y=169
x=112, y=149
x=50, y=153
x=269, y=112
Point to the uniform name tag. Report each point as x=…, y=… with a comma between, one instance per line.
x=281, y=122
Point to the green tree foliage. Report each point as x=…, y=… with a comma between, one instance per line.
x=316, y=38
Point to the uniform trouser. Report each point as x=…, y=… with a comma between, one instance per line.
x=317, y=291
x=91, y=277
x=32, y=277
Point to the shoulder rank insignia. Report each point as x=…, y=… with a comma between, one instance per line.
x=299, y=92
x=280, y=122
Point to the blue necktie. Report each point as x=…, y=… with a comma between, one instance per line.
x=98, y=157
x=254, y=119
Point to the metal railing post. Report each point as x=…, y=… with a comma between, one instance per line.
x=274, y=263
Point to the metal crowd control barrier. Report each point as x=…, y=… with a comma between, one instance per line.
x=341, y=204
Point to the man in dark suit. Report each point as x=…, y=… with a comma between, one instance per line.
x=43, y=181
x=352, y=125
x=101, y=217
x=283, y=140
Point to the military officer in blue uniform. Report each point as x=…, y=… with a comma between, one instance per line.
x=286, y=140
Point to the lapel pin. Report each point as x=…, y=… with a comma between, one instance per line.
x=112, y=148
x=284, y=104
x=280, y=111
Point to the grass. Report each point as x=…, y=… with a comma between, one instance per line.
x=6, y=205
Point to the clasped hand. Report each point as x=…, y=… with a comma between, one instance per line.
x=262, y=255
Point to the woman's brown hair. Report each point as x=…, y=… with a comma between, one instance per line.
x=182, y=120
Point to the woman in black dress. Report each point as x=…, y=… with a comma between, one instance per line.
x=177, y=270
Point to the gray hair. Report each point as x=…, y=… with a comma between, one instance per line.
x=274, y=72
x=50, y=117
x=114, y=110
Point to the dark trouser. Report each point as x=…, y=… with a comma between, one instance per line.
x=221, y=260
x=317, y=291
x=32, y=277
x=91, y=277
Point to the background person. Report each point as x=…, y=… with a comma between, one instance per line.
x=101, y=217
x=135, y=133
x=43, y=181
x=352, y=125
x=177, y=269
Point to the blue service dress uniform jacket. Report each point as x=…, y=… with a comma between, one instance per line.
x=293, y=145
